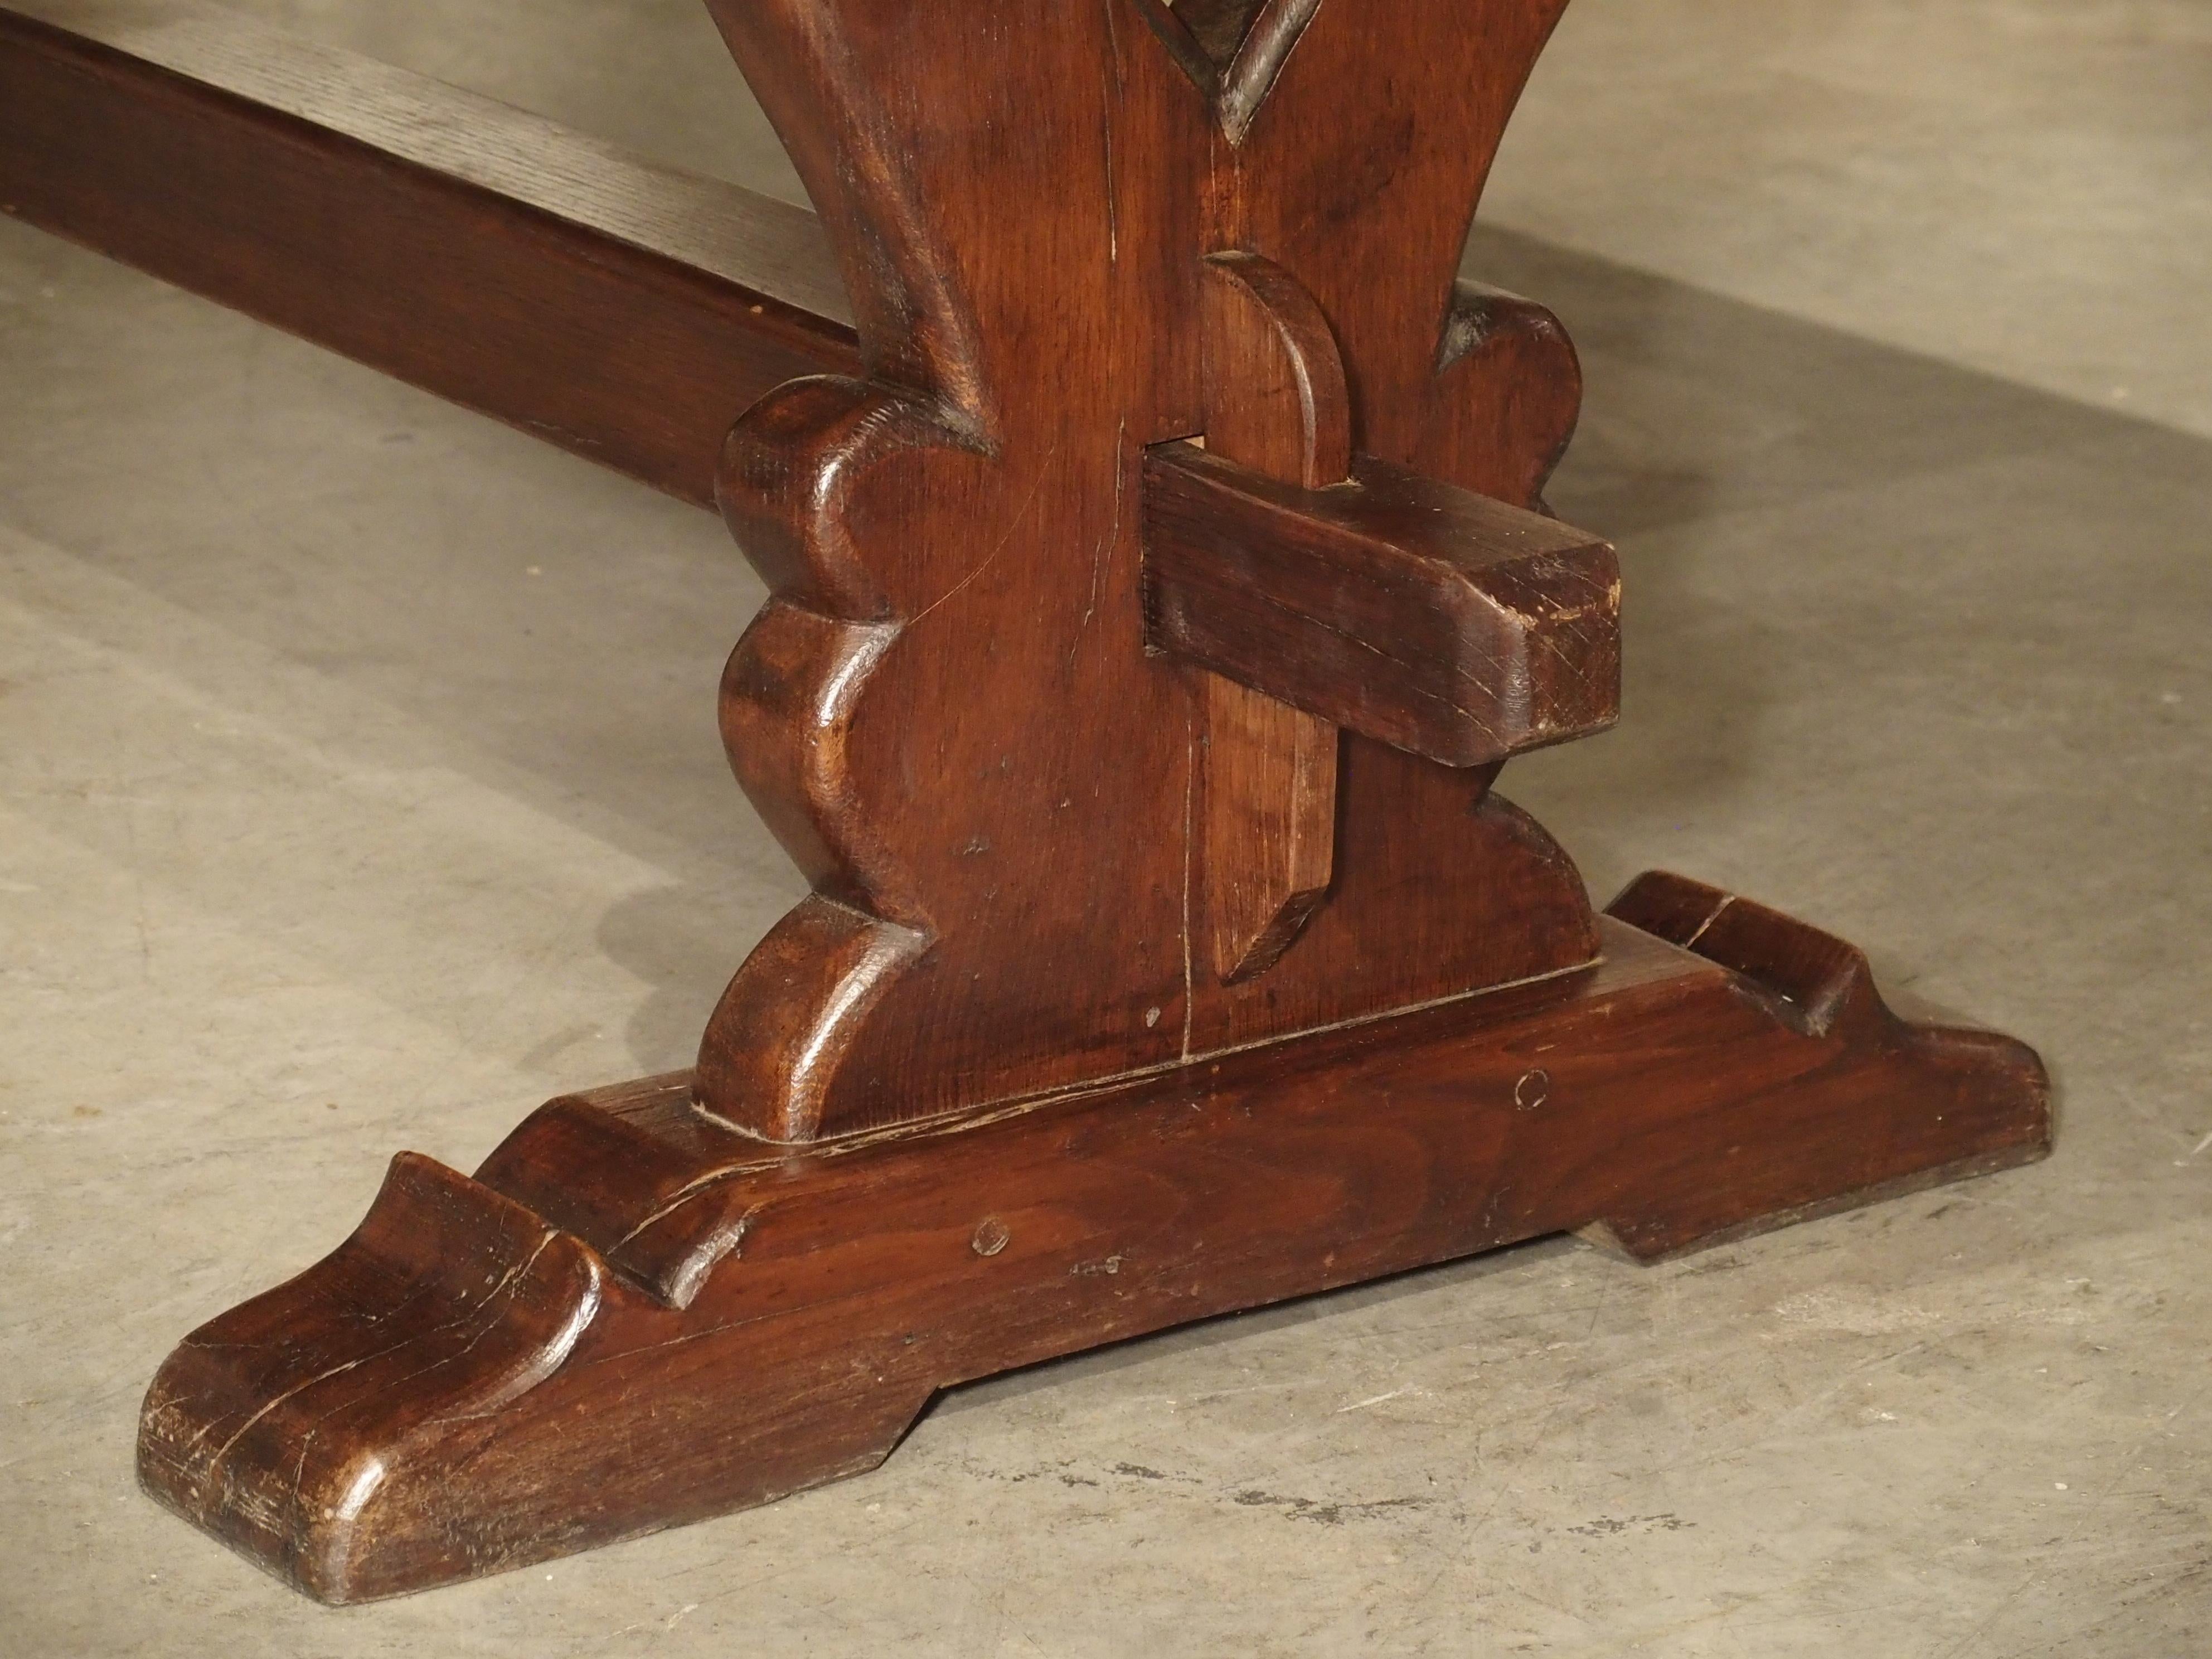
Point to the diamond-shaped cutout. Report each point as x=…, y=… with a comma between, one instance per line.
x=1232, y=50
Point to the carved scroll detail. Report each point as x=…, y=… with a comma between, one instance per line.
x=946, y=713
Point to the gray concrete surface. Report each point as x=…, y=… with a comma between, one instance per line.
x=359, y=789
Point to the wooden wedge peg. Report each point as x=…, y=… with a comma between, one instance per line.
x=1275, y=403
x=1270, y=824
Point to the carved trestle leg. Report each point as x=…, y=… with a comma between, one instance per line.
x=1159, y=579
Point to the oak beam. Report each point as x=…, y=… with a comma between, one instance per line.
x=1420, y=615
x=622, y=310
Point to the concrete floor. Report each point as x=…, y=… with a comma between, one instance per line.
x=359, y=789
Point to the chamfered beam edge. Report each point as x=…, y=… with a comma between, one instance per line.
x=1423, y=615
x=619, y=309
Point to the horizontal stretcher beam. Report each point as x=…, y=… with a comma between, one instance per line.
x=619, y=309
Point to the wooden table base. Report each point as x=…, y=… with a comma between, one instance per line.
x=635, y=1316
x=1159, y=576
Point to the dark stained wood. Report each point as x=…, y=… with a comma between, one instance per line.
x=1268, y=805
x=1232, y=50
x=952, y=546
x=1356, y=173
x=1422, y=616
x=1275, y=397
x=1501, y=408
x=634, y=1317
x=1160, y=577
x=1275, y=403
x=1002, y=801
x=986, y=533
x=616, y=308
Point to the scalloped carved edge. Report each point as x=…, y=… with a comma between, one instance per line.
x=908, y=230
x=1507, y=394
x=792, y=471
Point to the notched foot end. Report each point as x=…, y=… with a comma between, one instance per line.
x=289, y=1427
x=1865, y=1107
x=464, y=1387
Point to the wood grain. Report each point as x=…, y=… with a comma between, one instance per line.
x=1269, y=810
x=1007, y=798
x=633, y=1317
x=1275, y=397
x=1275, y=403
x=1422, y=616
x=955, y=551
x=1160, y=577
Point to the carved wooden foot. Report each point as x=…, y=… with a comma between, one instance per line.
x=635, y=1316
